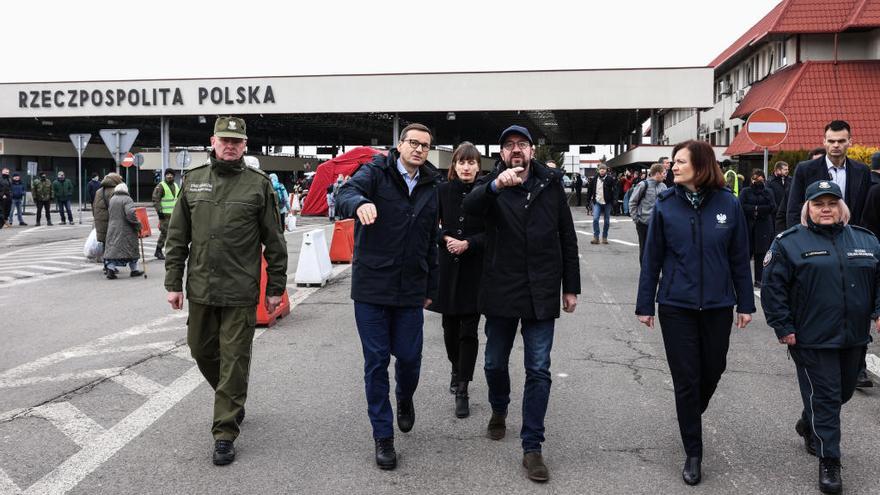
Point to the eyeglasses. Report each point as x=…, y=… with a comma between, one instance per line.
x=522, y=145
x=417, y=144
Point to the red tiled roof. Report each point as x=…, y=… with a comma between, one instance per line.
x=812, y=94
x=807, y=16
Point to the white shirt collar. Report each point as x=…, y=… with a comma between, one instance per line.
x=830, y=165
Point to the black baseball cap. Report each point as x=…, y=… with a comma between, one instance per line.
x=821, y=188
x=515, y=129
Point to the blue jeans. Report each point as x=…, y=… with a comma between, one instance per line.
x=538, y=341
x=605, y=211
x=115, y=265
x=387, y=331
x=626, y=197
x=16, y=206
x=62, y=204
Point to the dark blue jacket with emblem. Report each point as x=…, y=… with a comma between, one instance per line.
x=702, y=253
x=822, y=283
x=395, y=258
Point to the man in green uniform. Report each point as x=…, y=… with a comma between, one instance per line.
x=164, y=198
x=225, y=214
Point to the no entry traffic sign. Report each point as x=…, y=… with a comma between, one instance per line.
x=128, y=160
x=767, y=127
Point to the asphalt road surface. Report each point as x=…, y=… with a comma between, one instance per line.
x=98, y=394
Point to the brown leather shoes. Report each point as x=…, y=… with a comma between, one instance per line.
x=534, y=464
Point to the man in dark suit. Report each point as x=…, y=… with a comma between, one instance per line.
x=853, y=177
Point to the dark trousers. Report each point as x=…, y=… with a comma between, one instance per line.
x=577, y=193
x=537, y=341
x=827, y=379
x=40, y=206
x=759, y=265
x=220, y=340
x=642, y=231
x=5, y=210
x=62, y=205
x=387, y=331
x=462, y=344
x=696, y=345
x=163, y=231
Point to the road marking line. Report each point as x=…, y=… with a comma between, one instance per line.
x=85, y=375
x=80, y=428
x=19, y=272
x=7, y=485
x=137, y=383
x=625, y=243
x=66, y=476
x=873, y=364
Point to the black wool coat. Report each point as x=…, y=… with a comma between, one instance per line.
x=459, y=274
x=531, y=255
x=759, y=206
x=858, y=181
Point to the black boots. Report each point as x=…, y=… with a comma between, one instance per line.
x=158, y=254
x=497, y=427
x=829, y=475
x=386, y=457
x=406, y=414
x=803, y=429
x=864, y=381
x=462, y=404
x=224, y=452
x=691, y=474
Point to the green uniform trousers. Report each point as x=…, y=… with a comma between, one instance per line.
x=163, y=231
x=220, y=340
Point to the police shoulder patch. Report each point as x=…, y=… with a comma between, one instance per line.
x=768, y=258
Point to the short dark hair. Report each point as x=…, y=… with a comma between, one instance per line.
x=779, y=165
x=758, y=172
x=707, y=172
x=838, y=125
x=816, y=151
x=464, y=152
x=416, y=127
x=660, y=160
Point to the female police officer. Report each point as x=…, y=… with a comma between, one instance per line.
x=820, y=292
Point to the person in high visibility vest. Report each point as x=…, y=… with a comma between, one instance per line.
x=164, y=198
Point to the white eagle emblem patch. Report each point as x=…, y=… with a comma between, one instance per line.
x=768, y=258
x=824, y=185
x=231, y=125
x=721, y=218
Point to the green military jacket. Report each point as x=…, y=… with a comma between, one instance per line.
x=62, y=189
x=42, y=190
x=225, y=214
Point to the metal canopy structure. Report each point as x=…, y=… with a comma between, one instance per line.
x=559, y=107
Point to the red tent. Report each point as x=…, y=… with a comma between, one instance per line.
x=327, y=172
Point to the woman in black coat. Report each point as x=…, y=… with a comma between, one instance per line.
x=461, y=242
x=759, y=206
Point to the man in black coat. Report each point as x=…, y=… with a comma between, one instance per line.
x=578, y=187
x=394, y=275
x=758, y=204
x=779, y=182
x=780, y=220
x=871, y=215
x=531, y=250
x=851, y=176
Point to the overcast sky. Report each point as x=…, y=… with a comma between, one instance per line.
x=104, y=39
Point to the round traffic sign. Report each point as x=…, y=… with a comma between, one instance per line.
x=138, y=160
x=183, y=159
x=767, y=127
x=128, y=161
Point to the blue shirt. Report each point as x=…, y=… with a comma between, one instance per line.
x=410, y=182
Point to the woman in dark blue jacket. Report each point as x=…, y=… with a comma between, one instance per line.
x=460, y=245
x=697, y=239
x=821, y=291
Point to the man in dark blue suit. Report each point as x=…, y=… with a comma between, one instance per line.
x=853, y=177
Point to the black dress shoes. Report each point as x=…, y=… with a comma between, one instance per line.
x=386, y=457
x=829, y=475
x=803, y=429
x=406, y=414
x=864, y=381
x=497, y=427
x=691, y=473
x=462, y=405
x=224, y=452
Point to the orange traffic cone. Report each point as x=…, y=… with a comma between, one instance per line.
x=342, y=245
x=263, y=317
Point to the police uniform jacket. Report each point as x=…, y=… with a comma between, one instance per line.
x=821, y=284
x=531, y=245
x=759, y=205
x=459, y=273
x=702, y=254
x=225, y=213
x=395, y=258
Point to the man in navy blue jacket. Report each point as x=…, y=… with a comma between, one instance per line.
x=394, y=274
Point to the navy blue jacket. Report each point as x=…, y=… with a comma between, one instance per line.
x=823, y=285
x=703, y=254
x=395, y=258
x=18, y=190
